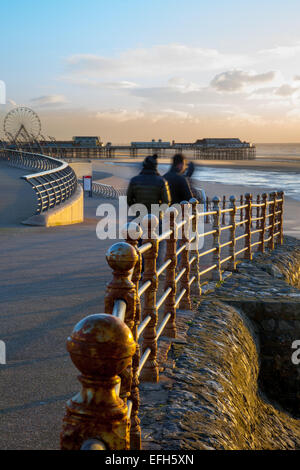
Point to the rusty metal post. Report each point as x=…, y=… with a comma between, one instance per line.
x=216, y=273
x=263, y=223
x=195, y=271
x=258, y=211
x=224, y=207
x=133, y=232
x=207, y=217
x=281, y=196
x=272, y=221
x=170, y=330
x=150, y=372
x=232, y=262
x=248, y=224
x=101, y=347
x=242, y=210
x=185, y=255
x=122, y=258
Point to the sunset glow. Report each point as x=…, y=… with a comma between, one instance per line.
x=133, y=70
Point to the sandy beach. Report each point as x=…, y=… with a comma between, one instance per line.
x=118, y=172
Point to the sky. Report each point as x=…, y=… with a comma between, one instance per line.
x=137, y=70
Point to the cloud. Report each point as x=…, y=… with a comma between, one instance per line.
x=156, y=60
x=286, y=90
x=283, y=52
x=49, y=100
x=182, y=85
x=123, y=115
x=86, y=82
x=243, y=117
x=236, y=80
x=294, y=114
x=120, y=115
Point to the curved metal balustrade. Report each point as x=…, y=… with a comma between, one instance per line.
x=107, y=191
x=54, y=184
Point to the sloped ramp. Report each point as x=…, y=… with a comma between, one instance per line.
x=17, y=199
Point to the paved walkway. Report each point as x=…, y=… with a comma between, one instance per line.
x=17, y=198
x=49, y=280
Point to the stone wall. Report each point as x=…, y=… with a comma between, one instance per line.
x=230, y=382
x=214, y=402
x=260, y=290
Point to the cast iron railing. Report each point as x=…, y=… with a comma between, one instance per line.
x=115, y=350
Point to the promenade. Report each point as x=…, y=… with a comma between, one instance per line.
x=50, y=278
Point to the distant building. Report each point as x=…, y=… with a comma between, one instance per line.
x=221, y=143
x=87, y=141
x=152, y=144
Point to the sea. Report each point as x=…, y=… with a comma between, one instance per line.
x=280, y=179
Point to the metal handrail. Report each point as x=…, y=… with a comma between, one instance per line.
x=119, y=309
x=56, y=183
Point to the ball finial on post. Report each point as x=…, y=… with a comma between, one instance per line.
x=101, y=347
x=121, y=257
x=131, y=232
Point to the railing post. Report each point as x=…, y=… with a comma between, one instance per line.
x=272, y=221
x=132, y=232
x=122, y=258
x=184, y=259
x=207, y=217
x=224, y=214
x=232, y=262
x=242, y=210
x=263, y=223
x=248, y=225
x=258, y=212
x=171, y=242
x=150, y=372
x=216, y=273
x=195, y=271
x=281, y=196
x=101, y=346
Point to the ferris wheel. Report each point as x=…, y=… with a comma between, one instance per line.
x=23, y=124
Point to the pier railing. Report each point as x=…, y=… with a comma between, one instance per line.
x=53, y=180
x=116, y=350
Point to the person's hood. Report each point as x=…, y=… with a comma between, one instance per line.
x=150, y=165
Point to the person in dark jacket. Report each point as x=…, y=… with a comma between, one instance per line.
x=178, y=183
x=149, y=187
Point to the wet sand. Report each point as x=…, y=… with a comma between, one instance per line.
x=264, y=162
